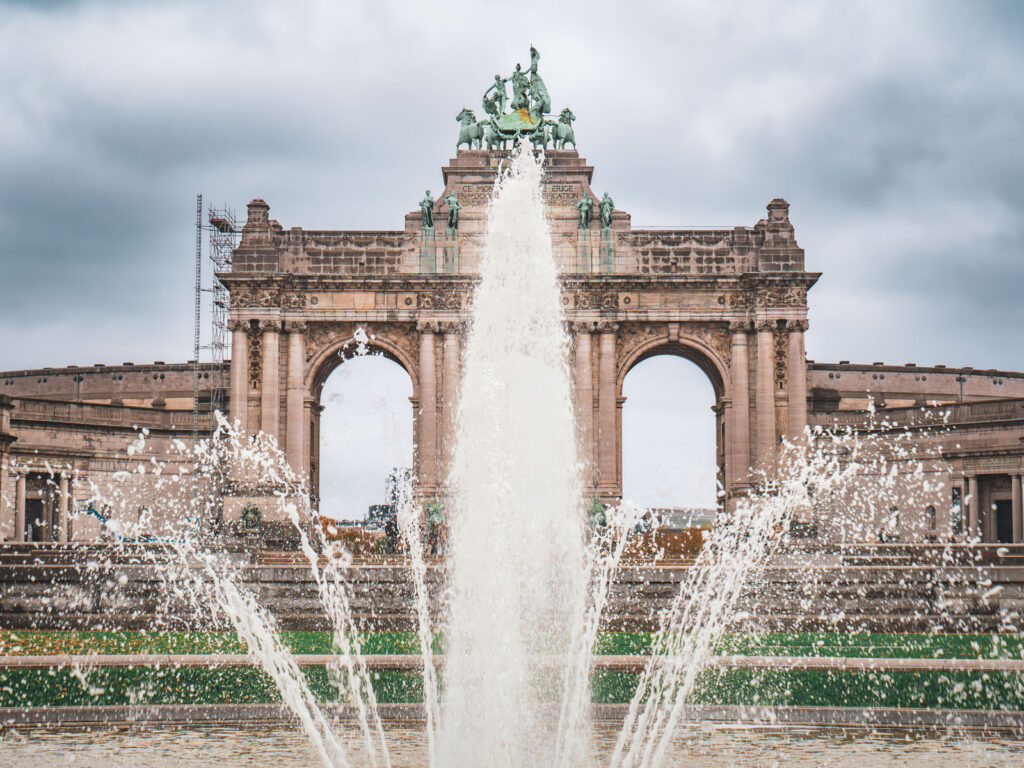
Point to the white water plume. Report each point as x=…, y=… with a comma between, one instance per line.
x=518, y=572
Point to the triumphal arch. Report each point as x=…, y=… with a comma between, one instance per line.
x=734, y=301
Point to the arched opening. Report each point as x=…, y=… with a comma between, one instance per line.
x=671, y=443
x=365, y=434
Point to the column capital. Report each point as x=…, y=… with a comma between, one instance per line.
x=235, y=325
x=272, y=326
x=763, y=326
x=797, y=325
x=581, y=326
x=295, y=326
x=427, y=326
x=452, y=326
x=739, y=327
x=606, y=326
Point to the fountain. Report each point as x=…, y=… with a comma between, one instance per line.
x=527, y=580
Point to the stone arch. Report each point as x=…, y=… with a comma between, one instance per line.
x=707, y=359
x=325, y=360
x=322, y=363
x=694, y=350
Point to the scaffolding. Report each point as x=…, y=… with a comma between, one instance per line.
x=224, y=235
x=197, y=319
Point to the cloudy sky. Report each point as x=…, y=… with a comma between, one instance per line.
x=894, y=130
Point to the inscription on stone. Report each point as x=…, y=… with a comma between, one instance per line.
x=555, y=195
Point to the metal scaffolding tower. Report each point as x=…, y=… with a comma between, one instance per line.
x=197, y=318
x=224, y=235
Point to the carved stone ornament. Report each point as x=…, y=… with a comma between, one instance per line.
x=740, y=326
x=235, y=325
x=452, y=326
x=428, y=326
x=781, y=357
x=597, y=300
x=397, y=336
x=797, y=325
x=255, y=356
x=439, y=300
x=740, y=300
x=294, y=326
x=782, y=296
x=270, y=325
x=254, y=297
x=293, y=300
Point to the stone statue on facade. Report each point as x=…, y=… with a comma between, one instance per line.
x=525, y=97
x=605, y=208
x=471, y=132
x=454, y=206
x=585, y=205
x=561, y=132
x=520, y=89
x=427, y=209
x=495, y=97
x=540, y=99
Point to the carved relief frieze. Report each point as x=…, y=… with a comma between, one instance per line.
x=634, y=336
x=714, y=336
x=382, y=336
x=782, y=296
x=606, y=300
x=251, y=296
x=255, y=356
x=293, y=300
x=741, y=300
x=439, y=300
x=781, y=358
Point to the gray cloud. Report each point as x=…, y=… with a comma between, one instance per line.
x=892, y=128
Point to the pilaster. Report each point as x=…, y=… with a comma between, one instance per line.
x=738, y=462
x=295, y=430
x=797, y=379
x=426, y=423
x=765, y=396
x=607, y=438
x=239, y=377
x=270, y=397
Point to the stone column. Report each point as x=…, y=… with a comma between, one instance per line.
x=607, y=439
x=797, y=379
x=19, y=508
x=61, y=513
x=450, y=389
x=973, y=518
x=426, y=424
x=765, y=396
x=239, y=372
x=739, y=428
x=1017, y=492
x=295, y=427
x=584, y=375
x=270, y=398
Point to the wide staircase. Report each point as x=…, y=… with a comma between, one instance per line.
x=878, y=588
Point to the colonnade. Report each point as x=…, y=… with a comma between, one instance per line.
x=56, y=515
x=256, y=400
x=762, y=393
x=968, y=484
x=757, y=413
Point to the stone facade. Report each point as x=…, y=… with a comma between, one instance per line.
x=734, y=301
